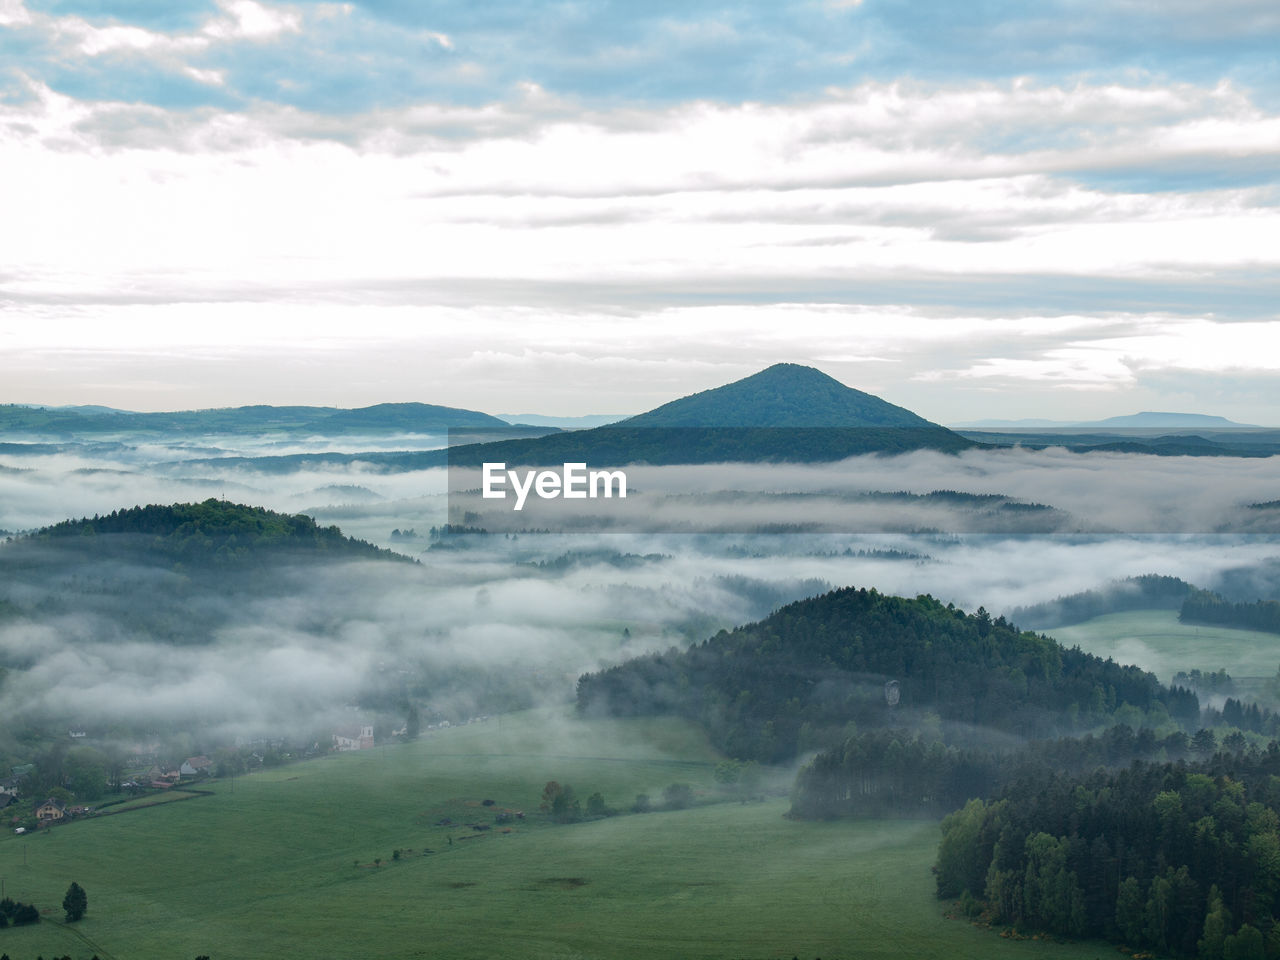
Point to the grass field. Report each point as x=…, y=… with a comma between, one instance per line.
x=280, y=864
x=1155, y=640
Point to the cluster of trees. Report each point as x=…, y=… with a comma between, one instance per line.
x=1213, y=681
x=1249, y=716
x=562, y=804
x=13, y=913
x=795, y=679
x=1183, y=858
x=898, y=773
x=1204, y=606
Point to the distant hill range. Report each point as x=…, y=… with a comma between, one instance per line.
x=563, y=423
x=255, y=420
x=785, y=413
x=1148, y=420
x=1160, y=434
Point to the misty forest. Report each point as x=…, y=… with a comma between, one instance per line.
x=832, y=680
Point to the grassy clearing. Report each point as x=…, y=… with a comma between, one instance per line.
x=1155, y=640
x=280, y=864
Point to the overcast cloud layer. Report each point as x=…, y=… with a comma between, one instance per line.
x=1003, y=211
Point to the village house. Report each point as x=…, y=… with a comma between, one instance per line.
x=195, y=766
x=159, y=777
x=51, y=811
x=353, y=738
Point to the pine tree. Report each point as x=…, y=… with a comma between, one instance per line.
x=75, y=902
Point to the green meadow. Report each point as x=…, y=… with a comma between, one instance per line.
x=298, y=862
x=1155, y=640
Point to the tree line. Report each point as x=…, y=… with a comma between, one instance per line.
x=1207, y=607
x=895, y=772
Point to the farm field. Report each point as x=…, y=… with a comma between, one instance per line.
x=1155, y=640
x=282, y=864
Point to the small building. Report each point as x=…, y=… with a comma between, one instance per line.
x=51, y=811
x=353, y=738
x=196, y=766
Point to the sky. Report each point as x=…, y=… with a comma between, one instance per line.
x=1060, y=209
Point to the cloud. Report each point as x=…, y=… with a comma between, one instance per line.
x=276, y=200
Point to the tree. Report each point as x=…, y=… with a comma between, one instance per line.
x=412, y=724
x=549, y=794
x=1129, y=904
x=75, y=902
x=1216, y=924
x=1245, y=944
x=678, y=796
x=1204, y=743
x=566, y=808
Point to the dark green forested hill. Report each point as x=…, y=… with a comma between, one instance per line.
x=783, y=395
x=214, y=532
x=173, y=573
x=794, y=680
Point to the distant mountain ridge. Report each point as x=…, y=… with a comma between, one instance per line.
x=1147, y=420
x=564, y=423
x=254, y=419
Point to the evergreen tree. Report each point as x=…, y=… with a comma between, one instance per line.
x=75, y=902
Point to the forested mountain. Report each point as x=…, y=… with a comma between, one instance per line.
x=214, y=532
x=170, y=573
x=796, y=679
x=785, y=413
x=783, y=395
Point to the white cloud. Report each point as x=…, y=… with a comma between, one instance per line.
x=247, y=19
x=14, y=13
x=148, y=232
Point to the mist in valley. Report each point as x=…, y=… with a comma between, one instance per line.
x=480, y=625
